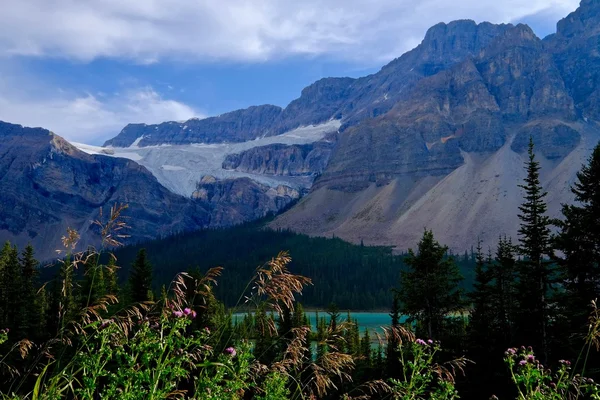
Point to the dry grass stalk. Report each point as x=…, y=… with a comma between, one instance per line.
x=274, y=282
x=111, y=231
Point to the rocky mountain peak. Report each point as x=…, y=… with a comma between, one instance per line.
x=456, y=40
x=583, y=21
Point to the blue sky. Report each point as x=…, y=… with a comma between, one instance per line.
x=85, y=69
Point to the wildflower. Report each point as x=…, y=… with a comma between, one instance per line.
x=429, y=341
x=522, y=362
x=230, y=351
x=193, y=315
x=187, y=311
x=177, y=314
x=511, y=352
x=207, y=330
x=530, y=358
x=565, y=362
x=421, y=342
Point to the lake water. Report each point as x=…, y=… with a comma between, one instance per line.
x=371, y=320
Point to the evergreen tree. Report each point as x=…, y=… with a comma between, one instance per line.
x=392, y=353
x=579, y=242
x=67, y=305
x=504, y=272
x=93, y=286
x=11, y=286
x=482, y=320
x=265, y=349
x=140, y=279
x=534, y=270
x=110, y=276
x=482, y=329
x=429, y=290
x=31, y=306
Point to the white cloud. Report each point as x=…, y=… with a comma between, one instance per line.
x=88, y=118
x=239, y=30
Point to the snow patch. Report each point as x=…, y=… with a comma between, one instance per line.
x=167, y=167
x=191, y=162
x=136, y=142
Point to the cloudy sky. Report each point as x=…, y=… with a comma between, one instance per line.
x=85, y=68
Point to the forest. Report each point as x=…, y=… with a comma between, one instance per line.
x=154, y=320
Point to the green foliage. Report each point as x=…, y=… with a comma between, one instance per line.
x=578, y=240
x=140, y=279
x=429, y=291
x=419, y=377
x=536, y=382
x=534, y=271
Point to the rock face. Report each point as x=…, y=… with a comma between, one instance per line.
x=235, y=126
x=450, y=152
x=49, y=185
x=347, y=99
x=282, y=160
x=576, y=50
x=233, y=201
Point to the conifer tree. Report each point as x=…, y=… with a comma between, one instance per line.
x=429, y=291
x=31, y=308
x=484, y=305
x=140, y=279
x=11, y=286
x=392, y=353
x=504, y=271
x=534, y=270
x=67, y=305
x=579, y=242
x=110, y=276
x=93, y=285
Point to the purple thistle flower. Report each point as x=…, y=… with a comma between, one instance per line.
x=522, y=362
x=230, y=351
x=511, y=352
x=530, y=358
x=187, y=311
x=565, y=362
x=429, y=341
x=177, y=314
x=421, y=342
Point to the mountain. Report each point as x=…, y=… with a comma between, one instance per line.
x=49, y=185
x=450, y=153
x=345, y=99
x=435, y=139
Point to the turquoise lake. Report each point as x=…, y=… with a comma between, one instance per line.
x=371, y=320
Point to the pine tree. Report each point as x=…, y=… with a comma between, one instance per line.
x=579, y=242
x=110, y=276
x=392, y=352
x=484, y=304
x=534, y=270
x=11, y=285
x=67, y=305
x=140, y=279
x=429, y=291
x=93, y=285
x=31, y=309
x=504, y=271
